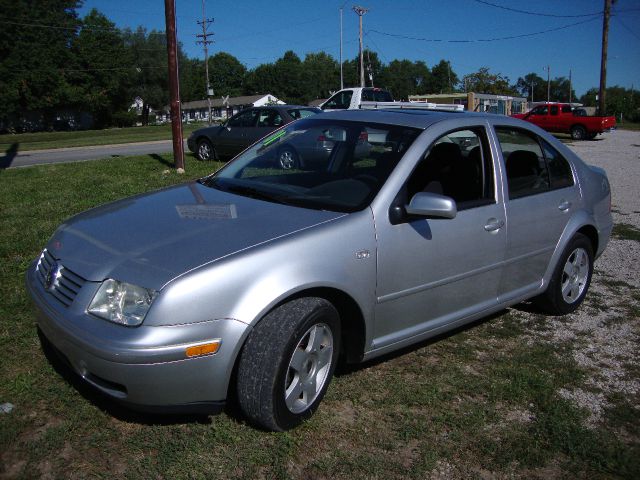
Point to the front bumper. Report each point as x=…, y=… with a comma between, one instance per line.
x=191, y=144
x=145, y=367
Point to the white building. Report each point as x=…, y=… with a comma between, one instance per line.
x=221, y=108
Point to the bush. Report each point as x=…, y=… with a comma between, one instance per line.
x=124, y=119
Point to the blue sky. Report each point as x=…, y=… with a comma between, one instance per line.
x=260, y=31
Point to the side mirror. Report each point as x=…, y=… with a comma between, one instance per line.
x=426, y=204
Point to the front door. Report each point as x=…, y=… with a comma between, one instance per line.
x=236, y=134
x=435, y=271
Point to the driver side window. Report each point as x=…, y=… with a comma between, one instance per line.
x=457, y=165
x=340, y=100
x=244, y=119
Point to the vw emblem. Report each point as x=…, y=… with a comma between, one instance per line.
x=52, y=276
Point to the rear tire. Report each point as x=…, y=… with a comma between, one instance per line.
x=578, y=132
x=205, y=151
x=571, y=278
x=287, y=363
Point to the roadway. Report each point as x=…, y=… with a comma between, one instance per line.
x=80, y=154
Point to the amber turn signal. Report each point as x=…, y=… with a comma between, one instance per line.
x=204, y=349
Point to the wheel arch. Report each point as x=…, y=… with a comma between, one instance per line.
x=581, y=125
x=352, y=323
x=581, y=223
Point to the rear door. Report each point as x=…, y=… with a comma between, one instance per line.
x=540, y=197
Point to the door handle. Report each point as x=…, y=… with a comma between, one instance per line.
x=564, y=205
x=494, y=224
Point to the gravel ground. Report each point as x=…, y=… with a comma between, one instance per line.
x=606, y=330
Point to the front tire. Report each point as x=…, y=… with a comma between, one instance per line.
x=287, y=159
x=571, y=278
x=287, y=363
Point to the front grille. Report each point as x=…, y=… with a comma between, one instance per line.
x=59, y=281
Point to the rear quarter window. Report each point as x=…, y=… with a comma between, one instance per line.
x=560, y=174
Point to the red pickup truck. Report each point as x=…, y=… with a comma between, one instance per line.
x=562, y=118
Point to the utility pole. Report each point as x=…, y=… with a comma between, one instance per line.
x=570, y=98
x=369, y=68
x=361, y=11
x=205, y=43
x=532, y=84
x=174, y=84
x=548, y=69
x=603, y=61
x=341, y=73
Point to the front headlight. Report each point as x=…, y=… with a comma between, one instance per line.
x=121, y=302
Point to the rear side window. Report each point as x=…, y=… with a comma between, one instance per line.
x=524, y=163
x=566, y=109
x=554, y=110
x=560, y=173
x=270, y=118
x=374, y=95
x=532, y=165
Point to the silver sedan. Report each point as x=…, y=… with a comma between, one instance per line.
x=256, y=279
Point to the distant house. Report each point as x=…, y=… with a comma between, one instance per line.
x=220, y=108
x=477, y=102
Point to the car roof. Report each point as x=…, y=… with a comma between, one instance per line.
x=408, y=117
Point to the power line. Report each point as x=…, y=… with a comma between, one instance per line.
x=627, y=28
x=536, y=13
x=481, y=40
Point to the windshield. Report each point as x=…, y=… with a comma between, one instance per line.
x=316, y=163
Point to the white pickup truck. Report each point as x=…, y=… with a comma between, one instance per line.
x=373, y=98
x=352, y=98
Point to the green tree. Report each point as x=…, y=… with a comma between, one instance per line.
x=288, y=72
x=320, y=75
x=483, y=81
x=373, y=70
x=102, y=69
x=262, y=79
x=151, y=84
x=524, y=87
x=34, y=57
x=227, y=75
x=443, y=79
x=192, y=79
x=623, y=103
x=404, y=78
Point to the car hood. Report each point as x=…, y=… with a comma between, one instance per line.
x=150, y=239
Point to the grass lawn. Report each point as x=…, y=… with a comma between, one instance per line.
x=481, y=403
x=46, y=140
